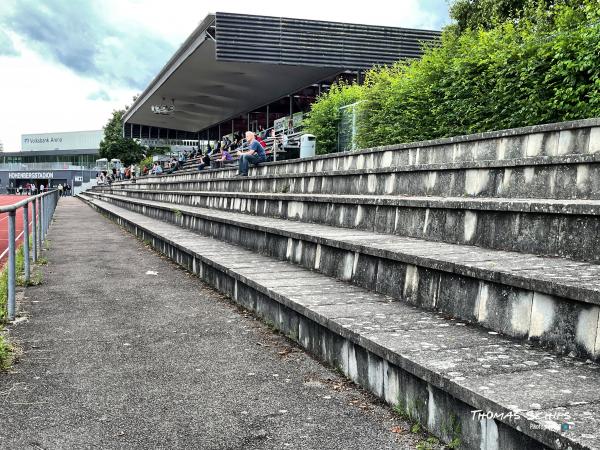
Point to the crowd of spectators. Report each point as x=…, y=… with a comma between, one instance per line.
x=237, y=148
x=33, y=189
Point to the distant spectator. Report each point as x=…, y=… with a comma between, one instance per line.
x=174, y=166
x=205, y=162
x=60, y=189
x=42, y=187
x=260, y=140
x=156, y=169
x=254, y=155
x=33, y=189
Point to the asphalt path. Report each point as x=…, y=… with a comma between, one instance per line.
x=123, y=349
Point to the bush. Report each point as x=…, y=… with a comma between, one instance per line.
x=542, y=68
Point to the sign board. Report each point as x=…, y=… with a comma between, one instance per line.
x=297, y=119
x=280, y=124
x=29, y=175
x=78, y=178
x=75, y=140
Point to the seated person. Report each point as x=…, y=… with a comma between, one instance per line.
x=174, y=166
x=156, y=169
x=225, y=156
x=254, y=155
x=260, y=140
x=205, y=162
x=222, y=157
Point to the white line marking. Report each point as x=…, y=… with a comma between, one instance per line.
x=20, y=234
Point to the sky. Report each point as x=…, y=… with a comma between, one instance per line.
x=66, y=64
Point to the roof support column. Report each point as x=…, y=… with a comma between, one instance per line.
x=267, y=117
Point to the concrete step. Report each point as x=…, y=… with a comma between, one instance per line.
x=560, y=177
x=551, y=301
x=564, y=228
x=439, y=371
x=564, y=139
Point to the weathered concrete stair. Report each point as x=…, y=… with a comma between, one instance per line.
x=548, y=161
x=437, y=369
x=574, y=176
x=552, y=301
x=523, y=225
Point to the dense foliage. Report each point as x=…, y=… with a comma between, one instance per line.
x=486, y=14
x=544, y=67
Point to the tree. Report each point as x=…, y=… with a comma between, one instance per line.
x=486, y=14
x=114, y=145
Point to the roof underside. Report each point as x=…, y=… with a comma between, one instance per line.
x=235, y=63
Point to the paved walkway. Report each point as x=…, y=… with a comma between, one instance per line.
x=123, y=349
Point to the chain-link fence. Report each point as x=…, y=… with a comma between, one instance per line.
x=348, y=126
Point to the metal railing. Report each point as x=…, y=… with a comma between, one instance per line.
x=43, y=206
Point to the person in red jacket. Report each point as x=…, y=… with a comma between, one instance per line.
x=259, y=139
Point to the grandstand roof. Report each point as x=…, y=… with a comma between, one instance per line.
x=233, y=63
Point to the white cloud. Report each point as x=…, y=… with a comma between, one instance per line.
x=40, y=96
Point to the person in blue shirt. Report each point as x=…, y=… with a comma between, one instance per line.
x=254, y=155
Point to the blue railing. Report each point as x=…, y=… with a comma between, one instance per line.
x=42, y=209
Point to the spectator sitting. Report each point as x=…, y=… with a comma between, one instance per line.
x=223, y=157
x=205, y=162
x=156, y=169
x=254, y=155
x=174, y=166
x=260, y=140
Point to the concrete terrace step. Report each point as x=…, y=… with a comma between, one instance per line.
x=495, y=223
x=548, y=300
x=566, y=177
x=568, y=139
x=304, y=166
x=437, y=369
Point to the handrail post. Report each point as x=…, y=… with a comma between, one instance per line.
x=33, y=229
x=26, y=242
x=40, y=231
x=11, y=265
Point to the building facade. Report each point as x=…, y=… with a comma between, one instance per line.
x=52, y=159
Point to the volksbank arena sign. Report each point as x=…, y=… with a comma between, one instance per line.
x=75, y=140
x=30, y=175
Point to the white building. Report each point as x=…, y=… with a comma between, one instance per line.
x=72, y=140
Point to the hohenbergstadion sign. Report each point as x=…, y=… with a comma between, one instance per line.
x=29, y=175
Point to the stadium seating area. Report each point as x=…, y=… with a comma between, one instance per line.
x=443, y=276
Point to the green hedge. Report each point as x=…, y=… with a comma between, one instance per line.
x=543, y=68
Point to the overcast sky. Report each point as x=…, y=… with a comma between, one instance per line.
x=66, y=64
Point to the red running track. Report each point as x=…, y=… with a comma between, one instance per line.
x=4, y=201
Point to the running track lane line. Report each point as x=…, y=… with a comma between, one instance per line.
x=16, y=239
